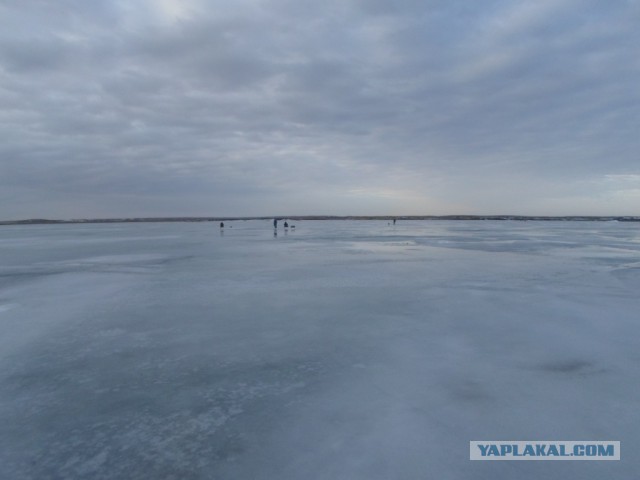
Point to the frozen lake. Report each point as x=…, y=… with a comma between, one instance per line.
x=338, y=350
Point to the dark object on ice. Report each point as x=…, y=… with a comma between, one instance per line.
x=286, y=225
x=275, y=223
x=221, y=224
x=394, y=221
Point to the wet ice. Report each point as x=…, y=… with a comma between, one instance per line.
x=339, y=350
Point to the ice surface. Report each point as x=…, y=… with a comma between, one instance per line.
x=338, y=350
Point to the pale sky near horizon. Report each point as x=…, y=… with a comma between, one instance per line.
x=290, y=107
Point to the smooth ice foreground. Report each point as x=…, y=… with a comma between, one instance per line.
x=340, y=350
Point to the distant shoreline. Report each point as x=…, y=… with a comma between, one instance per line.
x=588, y=218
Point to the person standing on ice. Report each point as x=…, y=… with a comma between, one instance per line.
x=275, y=223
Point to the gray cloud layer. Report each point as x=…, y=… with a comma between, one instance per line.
x=160, y=107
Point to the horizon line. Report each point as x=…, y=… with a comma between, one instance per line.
x=41, y=221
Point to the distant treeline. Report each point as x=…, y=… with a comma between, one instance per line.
x=41, y=221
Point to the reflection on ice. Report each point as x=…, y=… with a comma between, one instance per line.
x=342, y=350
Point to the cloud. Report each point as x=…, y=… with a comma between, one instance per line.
x=398, y=107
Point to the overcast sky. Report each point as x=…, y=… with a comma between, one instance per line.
x=276, y=107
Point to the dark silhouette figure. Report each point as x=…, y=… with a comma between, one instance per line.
x=275, y=223
x=394, y=221
x=286, y=225
x=221, y=224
